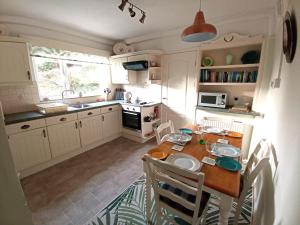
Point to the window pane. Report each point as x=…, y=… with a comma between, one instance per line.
x=50, y=78
x=88, y=78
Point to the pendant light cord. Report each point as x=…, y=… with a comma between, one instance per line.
x=200, y=6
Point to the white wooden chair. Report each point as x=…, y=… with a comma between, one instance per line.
x=178, y=191
x=162, y=130
x=258, y=160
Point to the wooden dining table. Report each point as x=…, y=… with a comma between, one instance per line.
x=220, y=182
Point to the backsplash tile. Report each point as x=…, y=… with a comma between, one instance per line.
x=16, y=99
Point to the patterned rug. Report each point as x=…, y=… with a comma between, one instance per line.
x=128, y=209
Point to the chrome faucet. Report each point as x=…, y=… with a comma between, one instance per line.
x=63, y=92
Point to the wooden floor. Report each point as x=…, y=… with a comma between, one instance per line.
x=73, y=191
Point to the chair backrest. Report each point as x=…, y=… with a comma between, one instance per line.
x=162, y=130
x=258, y=160
x=162, y=173
x=231, y=125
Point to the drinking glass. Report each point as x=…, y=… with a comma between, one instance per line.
x=208, y=146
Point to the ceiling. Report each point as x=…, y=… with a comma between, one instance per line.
x=102, y=18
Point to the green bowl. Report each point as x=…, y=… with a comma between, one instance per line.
x=228, y=163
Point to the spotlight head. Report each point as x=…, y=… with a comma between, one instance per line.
x=131, y=12
x=123, y=4
x=142, y=20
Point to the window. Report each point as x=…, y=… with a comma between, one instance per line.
x=58, y=70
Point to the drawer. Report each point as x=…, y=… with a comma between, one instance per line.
x=110, y=108
x=87, y=113
x=61, y=119
x=24, y=126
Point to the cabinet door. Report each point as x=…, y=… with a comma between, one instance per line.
x=30, y=148
x=90, y=130
x=111, y=124
x=64, y=138
x=119, y=75
x=14, y=63
x=179, y=93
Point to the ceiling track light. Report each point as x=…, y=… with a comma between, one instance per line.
x=132, y=13
x=123, y=4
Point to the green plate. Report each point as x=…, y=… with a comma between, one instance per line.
x=228, y=163
x=185, y=131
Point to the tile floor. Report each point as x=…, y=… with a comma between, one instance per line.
x=73, y=191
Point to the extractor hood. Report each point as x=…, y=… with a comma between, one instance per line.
x=136, y=65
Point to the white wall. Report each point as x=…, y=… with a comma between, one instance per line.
x=24, y=98
x=171, y=40
x=281, y=192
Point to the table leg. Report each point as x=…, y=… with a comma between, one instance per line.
x=147, y=194
x=225, y=209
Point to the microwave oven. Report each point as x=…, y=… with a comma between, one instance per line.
x=212, y=99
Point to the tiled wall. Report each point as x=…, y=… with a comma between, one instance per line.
x=150, y=92
x=19, y=98
x=16, y=99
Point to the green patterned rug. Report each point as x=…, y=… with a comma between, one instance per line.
x=128, y=209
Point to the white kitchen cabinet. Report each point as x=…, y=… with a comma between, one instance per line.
x=90, y=130
x=111, y=124
x=119, y=75
x=29, y=148
x=15, y=67
x=64, y=138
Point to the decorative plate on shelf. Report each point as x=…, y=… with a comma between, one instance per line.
x=207, y=61
x=129, y=49
x=289, y=36
x=120, y=48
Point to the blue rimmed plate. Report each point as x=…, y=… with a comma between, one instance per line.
x=185, y=131
x=225, y=150
x=228, y=163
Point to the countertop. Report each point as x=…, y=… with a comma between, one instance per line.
x=33, y=115
x=226, y=110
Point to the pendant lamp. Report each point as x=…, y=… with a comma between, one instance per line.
x=199, y=31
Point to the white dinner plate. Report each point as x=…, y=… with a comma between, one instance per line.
x=226, y=150
x=213, y=130
x=178, y=137
x=184, y=161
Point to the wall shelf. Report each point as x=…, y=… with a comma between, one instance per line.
x=238, y=66
x=226, y=84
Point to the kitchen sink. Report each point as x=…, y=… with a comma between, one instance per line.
x=79, y=106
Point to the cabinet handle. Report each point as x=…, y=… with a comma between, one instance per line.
x=24, y=127
x=80, y=123
x=44, y=133
x=90, y=113
x=109, y=109
x=76, y=125
x=63, y=119
x=102, y=118
x=29, y=75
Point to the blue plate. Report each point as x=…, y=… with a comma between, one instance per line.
x=228, y=163
x=185, y=131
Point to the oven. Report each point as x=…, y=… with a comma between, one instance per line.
x=131, y=117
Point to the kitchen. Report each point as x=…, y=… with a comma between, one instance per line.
x=83, y=105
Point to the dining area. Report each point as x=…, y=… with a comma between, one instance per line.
x=200, y=166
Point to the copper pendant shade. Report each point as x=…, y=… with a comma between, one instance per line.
x=199, y=31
